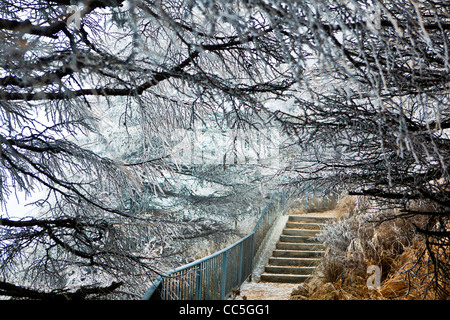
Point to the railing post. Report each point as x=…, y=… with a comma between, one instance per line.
x=241, y=256
x=198, y=284
x=252, y=257
x=224, y=276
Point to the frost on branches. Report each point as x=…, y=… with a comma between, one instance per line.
x=94, y=96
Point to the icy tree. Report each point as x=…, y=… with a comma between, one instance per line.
x=374, y=115
x=165, y=65
x=360, y=88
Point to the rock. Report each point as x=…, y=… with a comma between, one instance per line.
x=331, y=296
x=298, y=297
x=328, y=287
x=302, y=290
x=328, y=292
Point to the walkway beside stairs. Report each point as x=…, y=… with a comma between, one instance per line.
x=291, y=258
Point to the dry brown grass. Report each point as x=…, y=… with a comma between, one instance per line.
x=392, y=245
x=294, y=211
x=396, y=285
x=346, y=206
x=314, y=204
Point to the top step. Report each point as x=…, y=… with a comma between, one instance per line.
x=314, y=219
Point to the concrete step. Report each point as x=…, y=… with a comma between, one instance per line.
x=308, y=219
x=289, y=270
x=297, y=253
x=286, y=278
x=305, y=225
x=299, y=262
x=302, y=239
x=299, y=246
x=300, y=232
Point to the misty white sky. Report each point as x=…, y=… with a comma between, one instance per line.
x=16, y=205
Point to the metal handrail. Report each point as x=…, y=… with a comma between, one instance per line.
x=208, y=277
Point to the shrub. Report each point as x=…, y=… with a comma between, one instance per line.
x=357, y=240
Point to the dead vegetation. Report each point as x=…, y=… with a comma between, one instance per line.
x=354, y=242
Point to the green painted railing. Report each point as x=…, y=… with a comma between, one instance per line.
x=214, y=277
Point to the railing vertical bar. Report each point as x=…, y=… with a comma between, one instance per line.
x=192, y=275
x=252, y=248
x=198, y=283
x=241, y=257
x=224, y=275
x=219, y=276
x=207, y=280
x=183, y=285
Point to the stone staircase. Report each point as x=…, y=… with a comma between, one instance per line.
x=297, y=252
